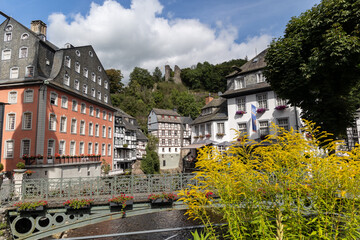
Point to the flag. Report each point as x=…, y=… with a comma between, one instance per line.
x=253, y=117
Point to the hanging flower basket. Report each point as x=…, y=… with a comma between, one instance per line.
x=240, y=112
x=78, y=204
x=122, y=202
x=30, y=206
x=161, y=200
x=280, y=107
x=260, y=110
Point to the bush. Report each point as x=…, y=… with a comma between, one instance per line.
x=20, y=165
x=285, y=187
x=1, y=167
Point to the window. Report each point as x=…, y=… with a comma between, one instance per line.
x=109, y=149
x=23, y=52
x=264, y=128
x=12, y=98
x=53, y=98
x=239, y=83
x=64, y=102
x=25, y=147
x=91, y=54
x=82, y=127
x=109, y=132
x=6, y=54
x=284, y=123
x=280, y=102
x=66, y=79
x=24, y=36
x=90, y=148
x=96, y=130
x=96, y=148
x=7, y=37
x=93, y=93
x=77, y=67
x=27, y=121
x=106, y=98
x=91, y=110
x=220, y=128
x=9, y=28
x=241, y=104
x=106, y=85
x=67, y=61
x=77, y=84
x=103, y=150
x=51, y=147
x=164, y=163
x=85, y=88
x=262, y=100
x=110, y=117
x=61, y=147
x=63, y=124
x=73, y=126
x=169, y=149
x=28, y=96
x=98, y=113
x=86, y=73
x=93, y=77
x=99, y=95
x=104, y=115
x=74, y=105
x=9, y=149
x=104, y=132
x=81, y=148
x=11, y=120
x=14, y=72
x=91, y=129
x=260, y=78
x=242, y=128
x=163, y=142
x=83, y=108
x=77, y=53
x=163, y=132
x=52, y=122
x=72, y=148
x=99, y=68
x=29, y=72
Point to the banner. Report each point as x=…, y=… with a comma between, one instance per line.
x=253, y=117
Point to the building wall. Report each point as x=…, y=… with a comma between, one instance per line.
x=67, y=171
x=18, y=133
x=67, y=136
x=172, y=160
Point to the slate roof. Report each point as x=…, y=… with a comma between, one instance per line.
x=220, y=113
x=251, y=89
x=166, y=112
x=140, y=135
x=186, y=120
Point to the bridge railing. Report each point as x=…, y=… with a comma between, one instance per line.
x=94, y=187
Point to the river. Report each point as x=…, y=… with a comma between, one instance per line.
x=160, y=220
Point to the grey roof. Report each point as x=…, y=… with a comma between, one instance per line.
x=140, y=135
x=251, y=89
x=220, y=112
x=121, y=113
x=169, y=112
x=129, y=126
x=256, y=63
x=214, y=103
x=186, y=120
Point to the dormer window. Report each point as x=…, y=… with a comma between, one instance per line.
x=23, y=53
x=77, y=67
x=29, y=71
x=67, y=61
x=14, y=72
x=24, y=36
x=260, y=78
x=7, y=36
x=239, y=83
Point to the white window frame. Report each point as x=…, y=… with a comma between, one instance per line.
x=62, y=151
x=85, y=88
x=220, y=128
x=29, y=71
x=52, y=122
x=264, y=128
x=110, y=117
x=22, y=152
x=6, y=54
x=12, y=97
x=262, y=100
x=74, y=106
x=67, y=61
x=91, y=111
x=97, y=112
x=93, y=77
x=7, y=36
x=51, y=148
x=73, y=126
x=91, y=129
x=63, y=124
x=90, y=148
x=106, y=98
x=103, y=149
x=104, y=114
x=97, y=130
x=83, y=108
x=99, y=80
x=10, y=126
x=72, y=148
x=104, y=131
x=14, y=72
x=109, y=149
x=241, y=104
x=280, y=124
x=81, y=148
x=28, y=98
x=109, y=132
x=86, y=73
x=106, y=84
x=77, y=84
x=56, y=98
x=64, y=102
x=67, y=79
x=24, y=121
x=82, y=127
x=9, y=153
x=240, y=83
x=23, y=52
x=77, y=67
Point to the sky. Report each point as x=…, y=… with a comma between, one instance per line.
x=154, y=33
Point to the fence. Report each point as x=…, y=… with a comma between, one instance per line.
x=94, y=187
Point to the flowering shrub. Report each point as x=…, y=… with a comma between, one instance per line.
x=240, y=112
x=284, y=187
x=29, y=172
x=22, y=206
x=121, y=199
x=20, y=165
x=78, y=203
x=170, y=196
x=280, y=107
x=209, y=194
x=260, y=110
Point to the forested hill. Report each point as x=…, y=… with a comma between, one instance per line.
x=146, y=91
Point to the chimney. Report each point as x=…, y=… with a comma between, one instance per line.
x=208, y=99
x=39, y=27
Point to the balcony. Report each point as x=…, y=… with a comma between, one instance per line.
x=54, y=160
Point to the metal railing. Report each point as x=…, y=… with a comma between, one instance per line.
x=93, y=187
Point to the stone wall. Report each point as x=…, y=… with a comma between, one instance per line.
x=5, y=232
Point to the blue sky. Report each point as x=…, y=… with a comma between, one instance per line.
x=150, y=33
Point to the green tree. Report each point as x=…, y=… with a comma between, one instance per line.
x=157, y=75
x=142, y=76
x=316, y=65
x=115, y=77
x=150, y=164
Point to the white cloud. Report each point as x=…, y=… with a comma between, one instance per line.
x=125, y=38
